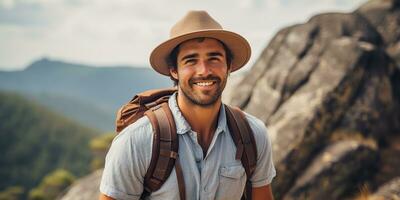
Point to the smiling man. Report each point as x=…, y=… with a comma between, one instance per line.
x=199, y=56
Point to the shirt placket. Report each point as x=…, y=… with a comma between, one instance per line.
x=203, y=165
x=198, y=155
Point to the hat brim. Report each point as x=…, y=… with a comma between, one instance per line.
x=238, y=45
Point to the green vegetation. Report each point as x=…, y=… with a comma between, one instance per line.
x=84, y=112
x=12, y=193
x=35, y=141
x=99, y=146
x=101, y=143
x=52, y=185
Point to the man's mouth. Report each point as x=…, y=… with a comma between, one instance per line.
x=205, y=83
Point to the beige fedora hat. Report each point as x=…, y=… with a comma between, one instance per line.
x=197, y=24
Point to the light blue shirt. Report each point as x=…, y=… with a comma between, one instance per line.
x=217, y=176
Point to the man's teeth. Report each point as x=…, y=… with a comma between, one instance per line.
x=204, y=83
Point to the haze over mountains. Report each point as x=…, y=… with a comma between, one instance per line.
x=89, y=95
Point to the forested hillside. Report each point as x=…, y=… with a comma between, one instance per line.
x=35, y=141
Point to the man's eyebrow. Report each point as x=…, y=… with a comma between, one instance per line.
x=193, y=55
x=214, y=54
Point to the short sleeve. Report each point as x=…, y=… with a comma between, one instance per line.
x=265, y=170
x=127, y=161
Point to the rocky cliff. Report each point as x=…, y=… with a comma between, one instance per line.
x=86, y=188
x=329, y=92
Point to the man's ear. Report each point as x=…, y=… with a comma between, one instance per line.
x=173, y=72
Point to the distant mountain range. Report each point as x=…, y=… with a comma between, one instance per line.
x=88, y=94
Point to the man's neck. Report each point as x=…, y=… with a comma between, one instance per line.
x=202, y=119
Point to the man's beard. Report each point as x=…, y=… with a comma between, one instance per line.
x=196, y=99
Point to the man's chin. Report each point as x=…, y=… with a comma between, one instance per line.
x=204, y=100
x=207, y=100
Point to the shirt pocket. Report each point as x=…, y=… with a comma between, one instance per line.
x=232, y=181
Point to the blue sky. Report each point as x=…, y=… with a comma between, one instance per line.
x=104, y=32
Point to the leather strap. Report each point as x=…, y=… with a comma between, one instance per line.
x=246, y=149
x=164, y=163
x=181, y=181
x=248, y=191
x=148, y=185
x=234, y=130
x=174, y=136
x=165, y=148
x=250, y=150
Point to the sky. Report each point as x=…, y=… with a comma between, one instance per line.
x=124, y=32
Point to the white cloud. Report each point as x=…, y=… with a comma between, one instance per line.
x=7, y=4
x=125, y=31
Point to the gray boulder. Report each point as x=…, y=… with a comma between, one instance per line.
x=86, y=188
x=389, y=191
x=384, y=15
x=329, y=77
x=329, y=174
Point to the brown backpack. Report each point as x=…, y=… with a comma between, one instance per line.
x=154, y=104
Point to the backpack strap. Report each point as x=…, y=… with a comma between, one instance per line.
x=181, y=182
x=164, y=151
x=246, y=149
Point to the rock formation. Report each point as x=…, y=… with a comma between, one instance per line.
x=332, y=79
x=331, y=168
x=329, y=92
x=389, y=191
x=86, y=188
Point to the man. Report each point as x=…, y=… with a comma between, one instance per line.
x=199, y=57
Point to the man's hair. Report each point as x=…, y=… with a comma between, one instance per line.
x=172, y=59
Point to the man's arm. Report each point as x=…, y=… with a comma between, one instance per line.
x=104, y=197
x=262, y=193
x=126, y=162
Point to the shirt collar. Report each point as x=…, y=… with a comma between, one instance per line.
x=182, y=126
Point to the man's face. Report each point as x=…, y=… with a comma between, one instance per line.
x=201, y=71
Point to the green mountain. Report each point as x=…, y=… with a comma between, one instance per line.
x=83, y=112
x=35, y=141
x=85, y=93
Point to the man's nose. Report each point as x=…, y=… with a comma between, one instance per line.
x=203, y=68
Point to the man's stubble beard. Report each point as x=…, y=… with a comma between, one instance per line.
x=195, y=99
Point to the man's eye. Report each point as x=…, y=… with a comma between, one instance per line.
x=190, y=61
x=214, y=59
